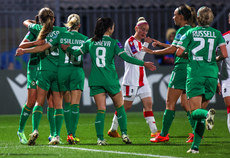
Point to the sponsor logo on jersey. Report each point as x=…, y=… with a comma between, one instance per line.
x=120, y=45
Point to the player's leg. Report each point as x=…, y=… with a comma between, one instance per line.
x=75, y=103
x=50, y=114
x=226, y=95
x=148, y=115
x=186, y=107
x=37, y=114
x=100, y=100
x=25, y=113
x=121, y=115
x=227, y=103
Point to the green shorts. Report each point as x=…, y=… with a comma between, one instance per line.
x=71, y=78
x=48, y=80
x=94, y=90
x=178, y=77
x=32, y=77
x=205, y=86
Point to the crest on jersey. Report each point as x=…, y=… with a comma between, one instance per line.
x=178, y=36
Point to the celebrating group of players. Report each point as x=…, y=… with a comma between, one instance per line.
x=56, y=52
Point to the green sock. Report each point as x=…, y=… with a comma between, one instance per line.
x=191, y=121
x=199, y=114
x=25, y=113
x=122, y=119
x=198, y=133
x=74, y=117
x=167, y=121
x=67, y=116
x=58, y=117
x=50, y=116
x=36, y=117
x=99, y=124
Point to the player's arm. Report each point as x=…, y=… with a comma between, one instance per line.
x=224, y=53
x=27, y=44
x=168, y=50
x=159, y=44
x=74, y=52
x=27, y=22
x=135, y=61
x=37, y=49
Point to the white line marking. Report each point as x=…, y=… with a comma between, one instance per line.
x=113, y=152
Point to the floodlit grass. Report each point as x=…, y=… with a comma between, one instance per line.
x=216, y=143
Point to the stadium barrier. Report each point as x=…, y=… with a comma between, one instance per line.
x=13, y=90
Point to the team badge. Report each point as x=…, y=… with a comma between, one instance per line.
x=120, y=45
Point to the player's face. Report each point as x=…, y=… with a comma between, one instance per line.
x=177, y=17
x=142, y=31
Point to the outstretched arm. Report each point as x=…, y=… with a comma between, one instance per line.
x=27, y=44
x=41, y=48
x=168, y=50
x=135, y=61
x=74, y=52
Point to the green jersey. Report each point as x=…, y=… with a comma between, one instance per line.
x=202, y=42
x=33, y=56
x=49, y=58
x=103, y=71
x=180, y=32
x=75, y=39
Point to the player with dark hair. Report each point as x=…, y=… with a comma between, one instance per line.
x=103, y=77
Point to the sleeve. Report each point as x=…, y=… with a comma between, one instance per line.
x=177, y=38
x=131, y=60
x=119, y=49
x=30, y=36
x=184, y=41
x=35, y=28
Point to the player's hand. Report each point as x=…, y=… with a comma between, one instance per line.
x=39, y=42
x=218, y=90
x=148, y=39
x=64, y=47
x=147, y=50
x=19, y=52
x=150, y=66
x=156, y=43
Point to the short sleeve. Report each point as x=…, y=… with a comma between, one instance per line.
x=30, y=36
x=35, y=28
x=184, y=40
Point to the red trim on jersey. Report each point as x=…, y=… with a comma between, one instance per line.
x=226, y=33
x=115, y=113
x=148, y=113
x=228, y=109
x=141, y=77
x=126, y=90
x=139, y=45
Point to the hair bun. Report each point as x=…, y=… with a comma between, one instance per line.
x=141, y=19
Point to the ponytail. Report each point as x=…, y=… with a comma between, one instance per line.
x=102, y=26
x=46, y=17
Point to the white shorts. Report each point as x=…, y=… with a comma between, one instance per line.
x=130, y=92
x=225, y=88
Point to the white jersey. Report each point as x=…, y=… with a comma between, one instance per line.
x=134, y=74
x=225, y=65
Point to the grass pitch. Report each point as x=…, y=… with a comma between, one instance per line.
x=216, y=143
